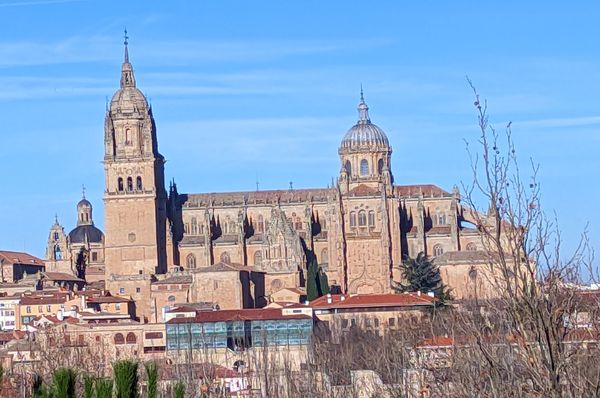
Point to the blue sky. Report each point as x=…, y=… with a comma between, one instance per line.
x=247, y=90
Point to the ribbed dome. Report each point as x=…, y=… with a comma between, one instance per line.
x=364, y=134
x=83, y=232
x=128, y=100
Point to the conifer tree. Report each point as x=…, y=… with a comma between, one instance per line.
x=312, y=287
x=421, y=274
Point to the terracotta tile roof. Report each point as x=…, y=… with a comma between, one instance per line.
x=41, y=299
x=364, y=190
x=108, y=299
x=257, y=197
x=12, y=335
x=413, y=191
x=372, y=300
x=10, y=257
x=262, y=314
x=61, y=276
x=436, y=341
x=439, y=229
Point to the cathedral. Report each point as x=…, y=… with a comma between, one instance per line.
x=358, y=230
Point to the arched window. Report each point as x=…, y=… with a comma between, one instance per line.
x=260, y=227
x=323, y=223
x=471, y=247
x=362, y=218
x=138, y=182
x=190, y=261
x=473, y=273
x=57, y=253
x=130, y=339
x=171, y=299
x=232, y=227
x=348, y=168
x=127, y=137
x=364, y=167
x=380, y=166
x=225, y=258
x=324, y=256
x=120, y=184
x=352, y=219
x=298, y=225
x=119, y=339
x=129, y=184
x=438, y=250
x=371, y=218
x=257, y=257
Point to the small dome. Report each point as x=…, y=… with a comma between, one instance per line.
x=84, y=203
x=128, y=100
x=364, y=134
x=78, y=235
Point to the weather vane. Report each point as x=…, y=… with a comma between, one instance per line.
x=126, y=37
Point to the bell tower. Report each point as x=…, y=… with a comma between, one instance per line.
x=134, y=196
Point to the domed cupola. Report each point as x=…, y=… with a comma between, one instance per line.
x=128, y=99
x=85, y=232
x=129, y=126
x=364, y=134
x=365, y=153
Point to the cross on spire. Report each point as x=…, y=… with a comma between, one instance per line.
x=126, y=42
x=83, y=190
x=362, y=98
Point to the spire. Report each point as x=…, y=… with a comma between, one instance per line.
x=82, y=191
x=363, y=109
x=126, y=42
x=127, y=78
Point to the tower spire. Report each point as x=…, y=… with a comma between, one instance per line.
x=363, y=109
x=126, y=42
x=127, y=78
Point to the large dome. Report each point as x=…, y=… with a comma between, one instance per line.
x=364, y=134
x=86, y=232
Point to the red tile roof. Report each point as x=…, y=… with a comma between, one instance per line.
x=108, y=299
x=436, y=341
x=61, y=276
x=372, y=300
x=364, y=190
x=19, y=258
x=40, y=299
x=263, y=314
x=413, y=191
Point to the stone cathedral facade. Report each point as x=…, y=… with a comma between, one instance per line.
x=359, y=229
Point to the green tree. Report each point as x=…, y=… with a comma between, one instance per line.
x=312, y=286
x=152, y=376
x=316, y=280
x=88, y=386
x=179, y=390
x=125, y=373
x=421, y=274
x=64, y=381
x=104, y=388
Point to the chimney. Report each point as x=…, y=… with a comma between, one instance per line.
x=418, y=293
x=342, y=298
x=431, y=294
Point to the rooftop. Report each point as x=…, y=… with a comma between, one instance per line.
x=9, y=257
x=372, y=300
x=263, y=314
